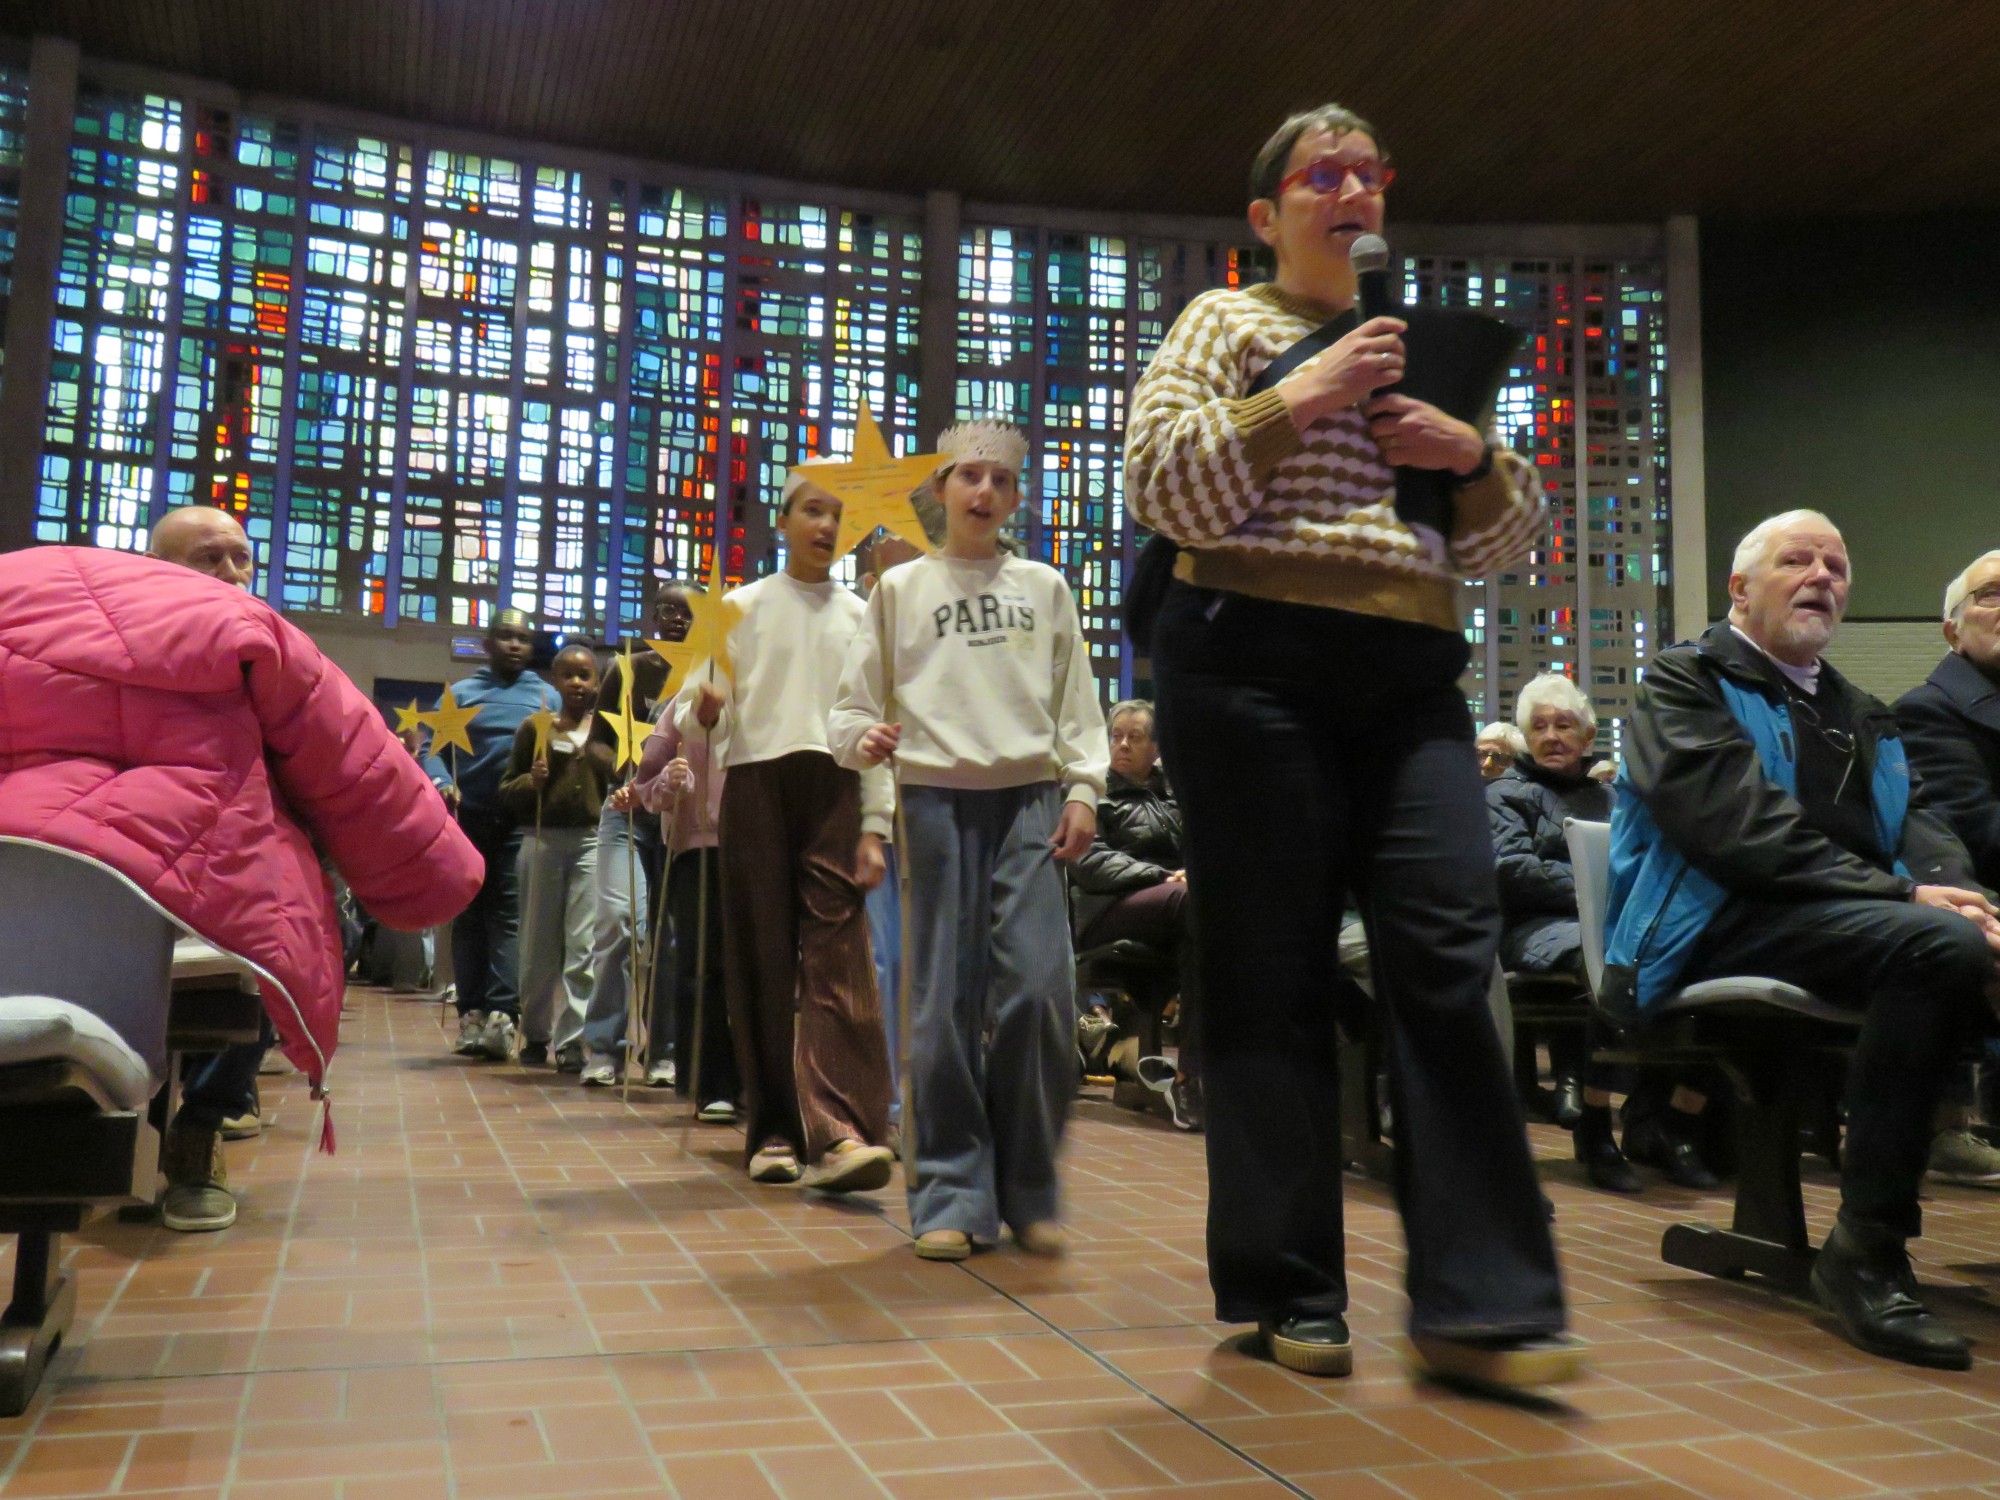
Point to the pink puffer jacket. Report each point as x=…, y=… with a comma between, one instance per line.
x=177, y=730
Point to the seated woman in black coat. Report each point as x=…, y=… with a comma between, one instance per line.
x=1131, y=885
x=1527, y=807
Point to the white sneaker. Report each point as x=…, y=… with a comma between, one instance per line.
x=471, y=1033
x=1961, y=1156
x=851, y=1167
x=775, y=1163
x=718, y=1112
x=497, y=1040
x=661, y=1074
x=600, y=1072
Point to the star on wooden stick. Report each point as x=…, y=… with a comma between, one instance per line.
x=874, y=489
x=707, y=639
x=545, y=725
x=410, y=716
x=626, y=727
x=447, y=724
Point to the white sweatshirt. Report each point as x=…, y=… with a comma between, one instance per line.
x=985, y=665
x=787, y=651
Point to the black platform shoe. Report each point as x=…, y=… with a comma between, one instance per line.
x=1863, y=1277
x=1313, y=1343
x=1603, y=1162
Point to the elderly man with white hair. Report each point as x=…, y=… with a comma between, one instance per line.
x=1765, y=826
x=1951, y=723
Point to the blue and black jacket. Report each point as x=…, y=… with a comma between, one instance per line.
x=1707, y=810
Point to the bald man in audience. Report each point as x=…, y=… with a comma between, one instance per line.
x=206, y=539
x=221, y=1088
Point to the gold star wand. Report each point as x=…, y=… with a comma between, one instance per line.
x=874, y=489
x=447, y=723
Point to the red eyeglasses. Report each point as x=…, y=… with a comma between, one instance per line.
x=1329, y=174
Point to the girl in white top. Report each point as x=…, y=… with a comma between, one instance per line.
x=803, y=1011
x=999, y=741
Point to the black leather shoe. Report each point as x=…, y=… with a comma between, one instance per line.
x=1569, y=1102
x=1311, y=1343
x=1652, y=1145
x=1864, y=1279
x=1603, y=1162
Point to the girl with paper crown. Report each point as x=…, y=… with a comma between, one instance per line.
x=971, y=671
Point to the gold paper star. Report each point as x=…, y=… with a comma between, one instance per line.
x=715, y=615
x=545, y=724
x=874, y=489
x=409, y=717
x=447, y=724
x=626, y=727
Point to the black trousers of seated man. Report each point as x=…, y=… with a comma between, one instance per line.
x=1318, y=752
x=1158, y=916
x=1919, y=973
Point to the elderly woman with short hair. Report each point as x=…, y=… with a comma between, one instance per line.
x=1132, y=885
x=1527, y=807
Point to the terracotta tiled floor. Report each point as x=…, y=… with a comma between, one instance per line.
x=504, y=1286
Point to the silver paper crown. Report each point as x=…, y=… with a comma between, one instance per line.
x=797, y=477
x=984, y=441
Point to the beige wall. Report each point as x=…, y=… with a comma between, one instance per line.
x=364, y=650
x=1887, y=657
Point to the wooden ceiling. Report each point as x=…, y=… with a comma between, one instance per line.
x=1530, y=111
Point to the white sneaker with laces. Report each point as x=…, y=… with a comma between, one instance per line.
x=471, y=1033
x=600, y=1072
x=497, y=1041
x=1961, y=1156
x=661, y=1074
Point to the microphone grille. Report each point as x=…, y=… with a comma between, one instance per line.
x=1369, y=252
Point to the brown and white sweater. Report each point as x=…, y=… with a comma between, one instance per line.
x=1264, y=510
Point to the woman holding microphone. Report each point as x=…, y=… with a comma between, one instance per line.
x=1306, y=655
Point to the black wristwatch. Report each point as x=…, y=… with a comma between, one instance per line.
x=1484, y=468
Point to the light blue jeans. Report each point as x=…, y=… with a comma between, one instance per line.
x=619, y=912
x=558, y=905
x=885, y=933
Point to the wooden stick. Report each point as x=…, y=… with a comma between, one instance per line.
x=701, y=927
x=905, y=1075
x=634, y=905
x=527, y=919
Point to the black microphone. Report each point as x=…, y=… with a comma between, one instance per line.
x=1369, y=256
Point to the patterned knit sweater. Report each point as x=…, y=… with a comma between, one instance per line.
x=1264, y=510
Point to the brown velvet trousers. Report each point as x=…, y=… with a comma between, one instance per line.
x=800, y=975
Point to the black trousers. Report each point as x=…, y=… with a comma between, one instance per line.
x=719, y=1079
x=1158, y=916
x=1919, y=973
x=1319, y=753
x=485, y=937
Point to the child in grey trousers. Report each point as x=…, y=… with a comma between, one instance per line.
x=971, y=671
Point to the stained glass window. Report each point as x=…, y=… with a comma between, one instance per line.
x=118, y=293
x=1054, y=329
x=344, y=528
x=13, y=122
x=825, y=318
x=677, y=296
x=1533, y=620
x=434, y=382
